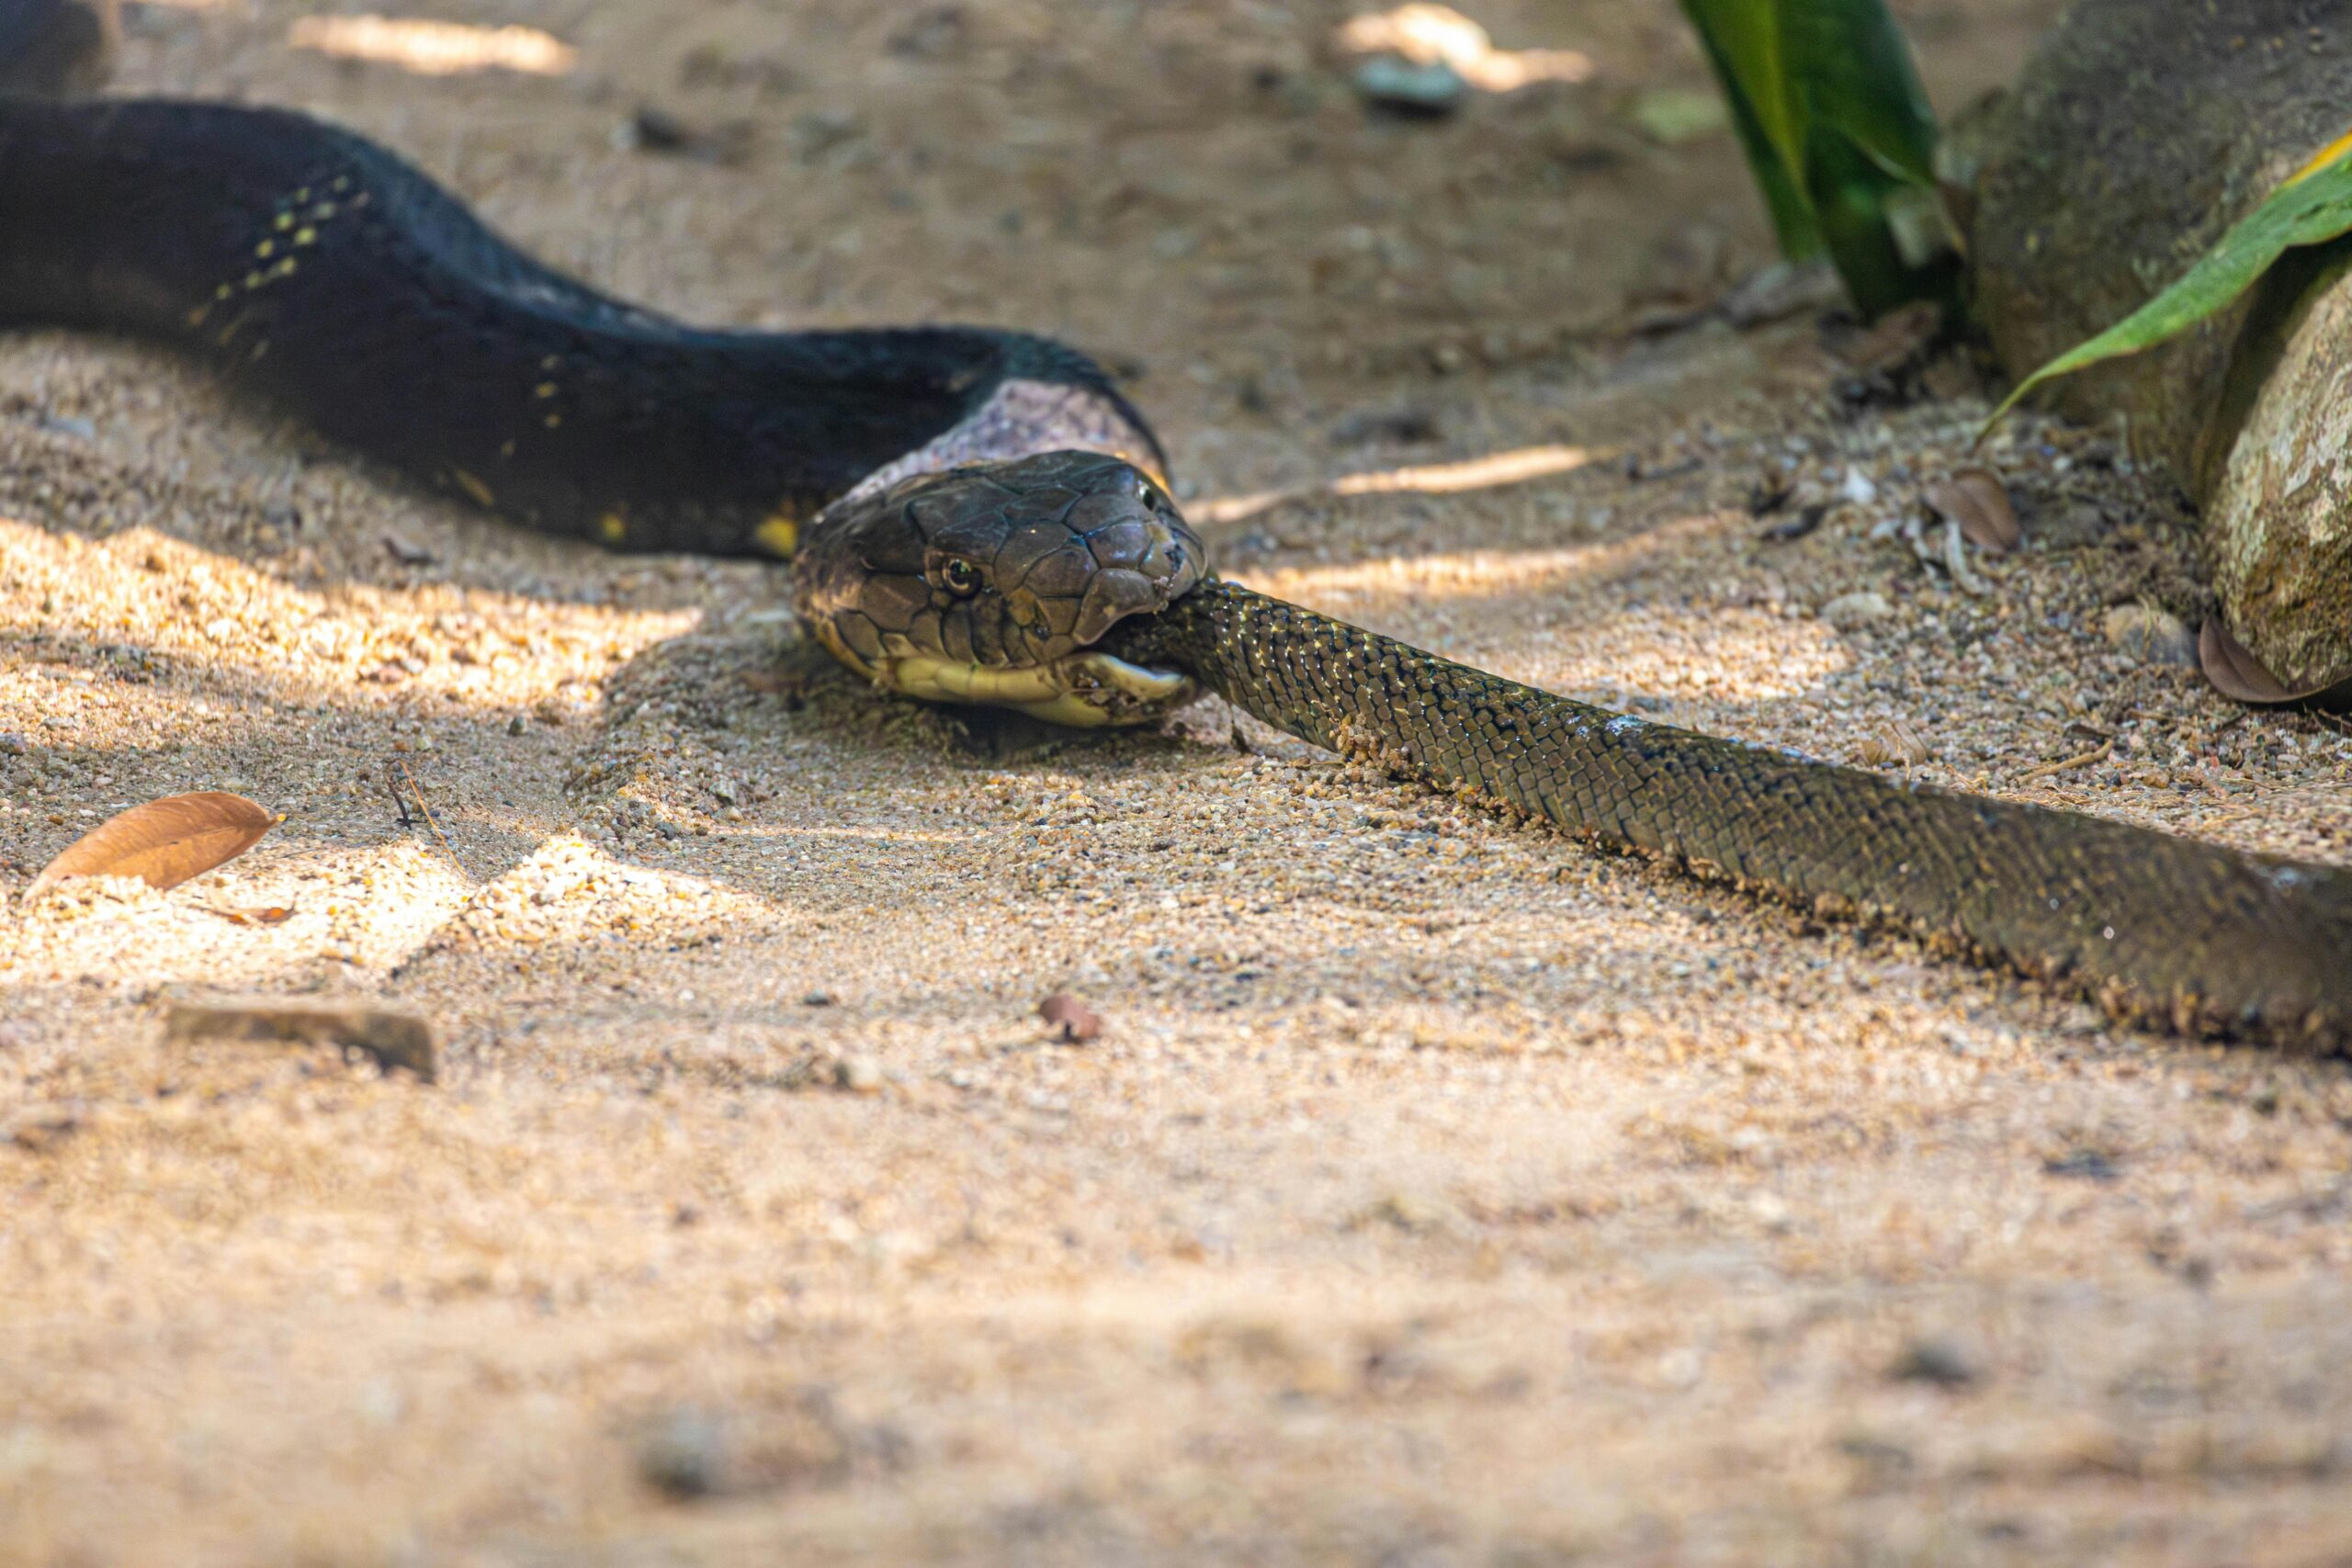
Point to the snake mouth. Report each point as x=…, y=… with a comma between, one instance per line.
x=1087, y=690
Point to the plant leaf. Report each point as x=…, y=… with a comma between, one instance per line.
x=165, y=841
x=1834, y=122
x=2311, y=208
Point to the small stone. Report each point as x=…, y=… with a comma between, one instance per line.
x=395, y=1039
x=817, y=1000
x=682, y=1454
x=518, y=725
x=857, y=1075
x=1858, y=488
x=13, y=744
x=1397, y=87
x=1849, y=611
x=2149, y=635
x=650, y=130
x=1672, y=116
x=1933, y=1361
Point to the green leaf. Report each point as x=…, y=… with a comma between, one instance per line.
x=1831, y=116
x=2311, y=208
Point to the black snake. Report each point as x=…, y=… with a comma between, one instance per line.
x=978, y=515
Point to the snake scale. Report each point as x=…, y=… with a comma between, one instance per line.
x=978, y=515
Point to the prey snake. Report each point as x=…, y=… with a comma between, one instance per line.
x=978, y=515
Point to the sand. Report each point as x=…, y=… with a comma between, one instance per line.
x=1437, y=1192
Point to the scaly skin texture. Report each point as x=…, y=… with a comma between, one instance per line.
x=2153, y=927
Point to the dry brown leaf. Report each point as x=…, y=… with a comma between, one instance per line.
x=1893, y=741
x=394, y=1039
x=1075, y=1021
x=1979, y=502
x=2237, y=674
x=254, y=914
x=165, y=841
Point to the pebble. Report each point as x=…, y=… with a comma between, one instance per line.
x=1398, y=87
x=857, y=1075
x=2149, y=635
x=1849, y=611
x=682, y=1454
x=1933, y=1361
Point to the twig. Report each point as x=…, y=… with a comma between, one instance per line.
x=426, y=808
x=1956, y=562
x=2087, y=758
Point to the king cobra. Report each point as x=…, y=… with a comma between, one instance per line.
x=977, y=515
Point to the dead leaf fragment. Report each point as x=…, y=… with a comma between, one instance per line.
x=2237, y=674
x=254, y=914
x=1893, y=741
x=1979, y=502
x=394, y=1039
x=1073, y=1020
x=165, y=841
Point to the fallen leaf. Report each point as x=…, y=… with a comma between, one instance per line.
x=1076, y=1020
x=165, y=841
x=2237, y=674
x=254, y=914
x=1979, y=502
x=1894, y=741
x=394, y=1039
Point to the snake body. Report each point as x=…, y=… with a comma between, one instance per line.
x=977, y=515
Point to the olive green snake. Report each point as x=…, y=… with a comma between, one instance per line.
x=978, y=515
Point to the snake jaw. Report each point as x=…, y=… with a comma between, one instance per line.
x=1088, y=690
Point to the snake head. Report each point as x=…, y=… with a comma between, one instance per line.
x=990, y=582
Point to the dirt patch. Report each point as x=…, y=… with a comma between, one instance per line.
x=1436, y=1191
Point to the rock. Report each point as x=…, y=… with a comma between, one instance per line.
x=856, y=1074
x=1933, y=1361
x=1392, y=84
x=1849, y=612
x=2149, y=635
x=395, y=1039
x=2138, y=134
x=2280, y=515
x=682, y=1454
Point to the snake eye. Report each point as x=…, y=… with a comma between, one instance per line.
x=961, y=577
x=1152, y=495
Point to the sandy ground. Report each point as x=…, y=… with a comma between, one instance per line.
x=1437, y=1193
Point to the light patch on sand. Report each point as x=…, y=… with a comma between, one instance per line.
x=1518, y=465
x=1428, y=34
x=213, y=611
x=1466, y=575
x=1737, y=655
x=434, y=48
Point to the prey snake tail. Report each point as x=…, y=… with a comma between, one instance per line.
x=977, y=515
x=2157, y=927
